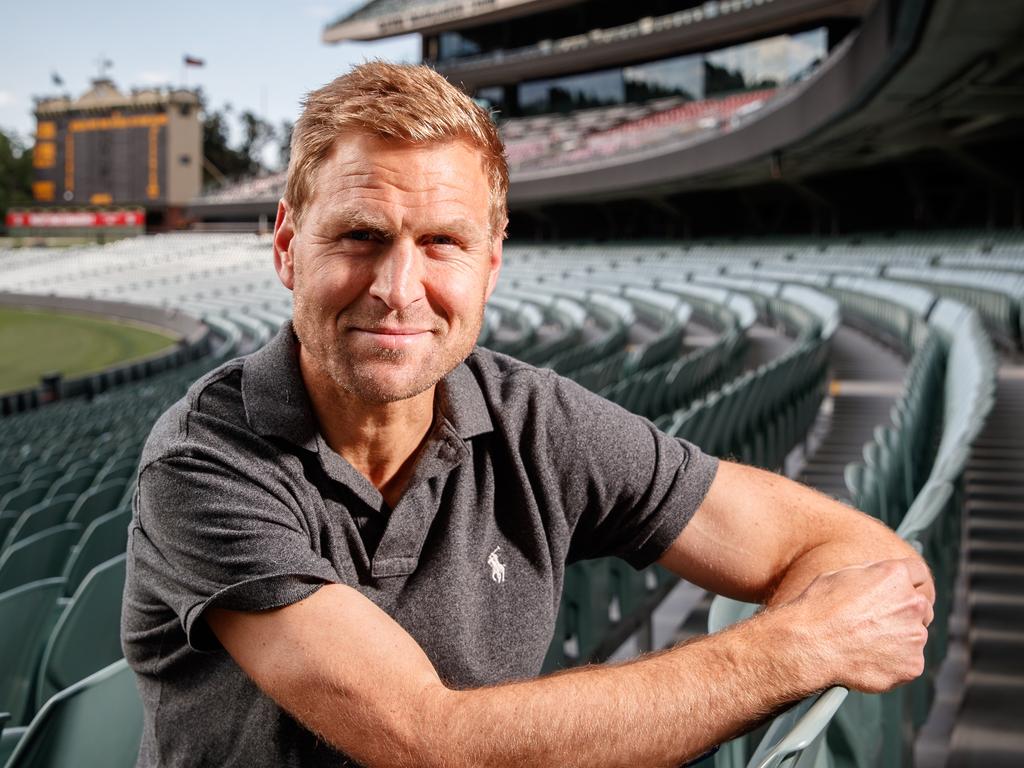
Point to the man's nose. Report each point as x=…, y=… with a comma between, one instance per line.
x=398, y=278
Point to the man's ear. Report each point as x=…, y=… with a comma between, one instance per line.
x=284, y=237
x=495, y=267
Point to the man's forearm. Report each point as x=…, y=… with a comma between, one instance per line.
x=659, y=710
x=858, y=539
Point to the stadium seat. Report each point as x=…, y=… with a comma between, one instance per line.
x=26, y=615
x=43, y=515
x=98, y=500
x=75, y=482
x=96, y=723
x=40, y=556
x=24, y=497
x=104, y=538
x=86, y=637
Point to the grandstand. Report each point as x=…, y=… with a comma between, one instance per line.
x=865, y=368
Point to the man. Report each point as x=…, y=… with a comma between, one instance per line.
x=352, y=542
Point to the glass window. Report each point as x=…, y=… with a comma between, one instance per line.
x=765, y=63
x=563, y=94
x=681, y=76
x=452, y=45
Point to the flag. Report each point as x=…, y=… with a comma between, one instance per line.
x=57, y=79
x=193, y=61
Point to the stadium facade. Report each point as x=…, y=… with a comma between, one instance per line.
x=728, y=117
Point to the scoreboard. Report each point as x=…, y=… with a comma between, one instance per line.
x=108, y=148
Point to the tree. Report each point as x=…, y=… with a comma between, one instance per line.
x=228, y=162
x=284, y=143
x=257, y=134
x=234, y=162
x=15, y=172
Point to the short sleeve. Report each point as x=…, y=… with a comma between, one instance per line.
x=631, y=487
x=207, y=535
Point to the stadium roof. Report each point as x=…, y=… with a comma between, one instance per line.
x=378, y=19
x=700, y=27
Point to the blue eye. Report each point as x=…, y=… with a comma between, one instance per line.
x=360, y=234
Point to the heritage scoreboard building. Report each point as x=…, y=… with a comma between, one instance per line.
x=108, y=148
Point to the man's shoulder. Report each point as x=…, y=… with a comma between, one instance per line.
x=516, y=390
x=214, y=398
x=491, y=366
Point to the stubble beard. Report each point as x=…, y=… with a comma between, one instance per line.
x=354, y=375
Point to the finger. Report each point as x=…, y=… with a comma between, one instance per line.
x=927, y=611
x=928, y=590
x=917, y=570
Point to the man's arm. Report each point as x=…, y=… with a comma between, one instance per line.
x=350, y=673
x=762, y=538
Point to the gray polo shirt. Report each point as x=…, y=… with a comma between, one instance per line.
x=242, y=505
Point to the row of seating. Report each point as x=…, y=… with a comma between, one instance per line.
x=911, y=486
x=762, y=412
x=604, y=600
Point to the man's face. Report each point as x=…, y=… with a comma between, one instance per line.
x=391, y=266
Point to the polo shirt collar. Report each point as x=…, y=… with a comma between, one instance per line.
x=276, y=402
x=463, y=404
x=274, y=396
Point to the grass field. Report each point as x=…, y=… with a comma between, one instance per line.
x=34, y=343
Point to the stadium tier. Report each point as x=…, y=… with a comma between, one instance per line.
x=864, y=367
x=691, y=119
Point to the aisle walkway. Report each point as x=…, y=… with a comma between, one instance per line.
x=867, y=378
x=989, y=723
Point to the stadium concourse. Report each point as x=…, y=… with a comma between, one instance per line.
x=867, y=367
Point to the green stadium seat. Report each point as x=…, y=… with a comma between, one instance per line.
x=96, y=723
x=40, y=556
x=104, y=538
x=86, y=637
x=10, y=481
x=43, y=515
x=25, y=616
x=796, y=737
x=97, y=501
x=587, y=598
x=76, y=482
x=24, y=497
x=555, y=658
x=123, y=469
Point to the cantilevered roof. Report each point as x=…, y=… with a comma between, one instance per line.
x=378, y=19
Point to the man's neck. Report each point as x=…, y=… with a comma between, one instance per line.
x=381, y=440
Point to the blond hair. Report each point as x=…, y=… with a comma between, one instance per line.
x=398, y=102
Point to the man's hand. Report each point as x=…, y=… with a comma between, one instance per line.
x=866, y=626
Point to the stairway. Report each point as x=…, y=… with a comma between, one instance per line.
x=989, y=727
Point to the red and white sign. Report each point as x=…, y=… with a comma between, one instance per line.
x=80, y=219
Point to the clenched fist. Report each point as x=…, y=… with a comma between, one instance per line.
x=866, y=626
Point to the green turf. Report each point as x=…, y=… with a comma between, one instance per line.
x=35, y=343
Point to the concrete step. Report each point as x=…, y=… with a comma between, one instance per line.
x=995, y=577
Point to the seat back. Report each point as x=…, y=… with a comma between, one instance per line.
x=40, y=556
x=104, y=538
x=96, y=723
x=794, y=737
x=39, y=517
x=97, y=501
x=24, y=496
x=24, y=619
x=87, y=636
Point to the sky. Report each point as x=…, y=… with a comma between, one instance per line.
x=259, y=55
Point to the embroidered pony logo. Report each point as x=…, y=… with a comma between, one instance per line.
x=497, y=567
